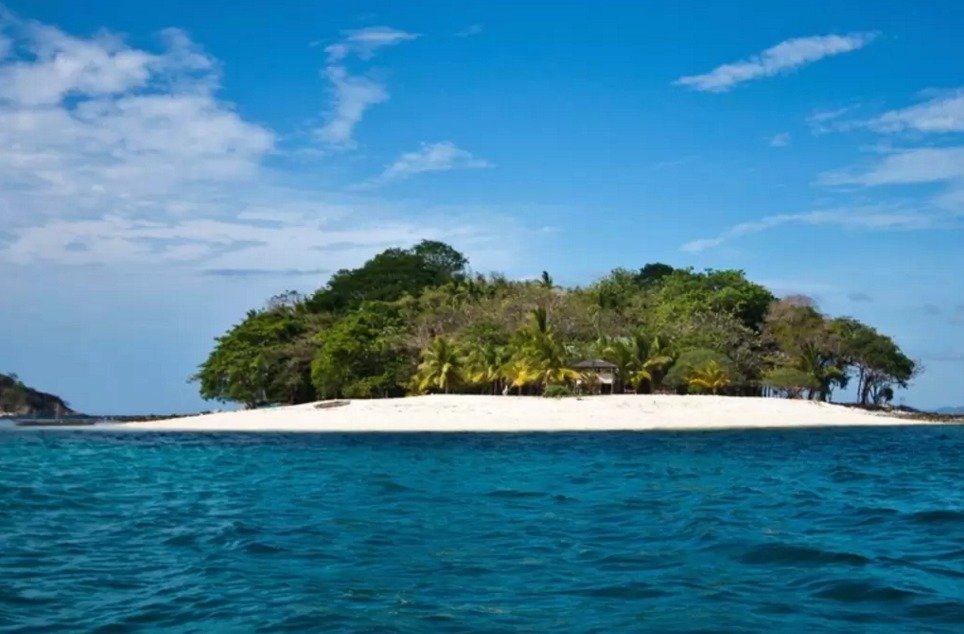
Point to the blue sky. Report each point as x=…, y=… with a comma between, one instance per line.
x=166, y=166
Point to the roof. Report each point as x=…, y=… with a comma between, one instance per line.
x=594, y=364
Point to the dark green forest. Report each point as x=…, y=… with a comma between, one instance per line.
x=418, y=320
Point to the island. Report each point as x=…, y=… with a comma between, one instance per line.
x=414, y=340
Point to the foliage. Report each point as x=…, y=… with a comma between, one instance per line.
x=362, y=355
x=701, y=363
x=539, y=357
x=790, y=381
x=879, y=364
x=17, y=398
x=710, y=377
x=390, y=275
x=419, y=320
x=441, y=367
x=652, y=274
x=263, y=359
x=556, y=390
x=684, y=293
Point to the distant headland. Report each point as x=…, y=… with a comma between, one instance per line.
x=16, y=399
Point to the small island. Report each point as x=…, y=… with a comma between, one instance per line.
x=653, y=348
x=18, y=400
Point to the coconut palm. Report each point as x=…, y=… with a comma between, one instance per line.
x=537, y=355
x=441, y=367
x=484, y=364
x=657, y=360
x=710, y=376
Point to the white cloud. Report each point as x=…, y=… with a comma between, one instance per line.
x=823, y=121
x=905, y=167
x=304, y=243
x=784, y=57
x=942, y=114
x=854, y=218
x=779, y=140
x=364, y=42
x=429, y=157
x=352, y=95
x=93, y=125
x=129, y=157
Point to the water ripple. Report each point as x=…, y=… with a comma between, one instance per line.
x=783, y=530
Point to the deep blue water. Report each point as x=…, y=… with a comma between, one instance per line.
x=802, y=530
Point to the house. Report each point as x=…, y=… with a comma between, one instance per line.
x=599, y=376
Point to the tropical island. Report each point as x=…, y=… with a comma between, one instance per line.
x=418, y=322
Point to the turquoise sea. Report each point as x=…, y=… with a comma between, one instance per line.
x=834, y=530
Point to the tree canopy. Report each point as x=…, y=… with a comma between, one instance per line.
x=418, y=320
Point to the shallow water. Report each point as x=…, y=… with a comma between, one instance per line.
x=795, y=530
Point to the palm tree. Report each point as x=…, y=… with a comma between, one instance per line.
x=656, y=360
x=484, y=363
x=538, y=356
x=821, y=368
x=710, y=376
x=441, y=367
x=638, y=359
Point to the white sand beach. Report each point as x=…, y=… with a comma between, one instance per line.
x=462, y=413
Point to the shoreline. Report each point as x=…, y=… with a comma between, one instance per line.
x=506, y=414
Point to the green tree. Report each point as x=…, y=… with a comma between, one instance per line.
x=263, y=359
x=878, y=361
x=390, y=275
x=684, y=293
x=690, y=364
x=537, y=355
x=652, y=274
x=363, y=355
x=441, y=367
x=709, y=377
x=790, y=381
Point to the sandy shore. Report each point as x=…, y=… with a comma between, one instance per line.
x=507, y=414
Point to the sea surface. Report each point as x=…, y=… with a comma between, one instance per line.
x=833, y=530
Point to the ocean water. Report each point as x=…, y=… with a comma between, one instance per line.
x=840, y=530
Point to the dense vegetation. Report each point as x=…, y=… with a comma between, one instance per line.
x=417, y=320
x=18, y=399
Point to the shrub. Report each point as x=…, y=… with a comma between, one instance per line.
x=691, y=361
x=557, y=391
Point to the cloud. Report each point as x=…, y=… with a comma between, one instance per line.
x=824, y=121
x=351, y=94
x=364, y=42
x=782, y=58
x=779, y=140
x=861, y=298
x=249, y=273
x=90, y=125
x=130, y=158
x=469, y=31
x=941, y=114
x=904, y=167
x=860, y=219
x=429, y=157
